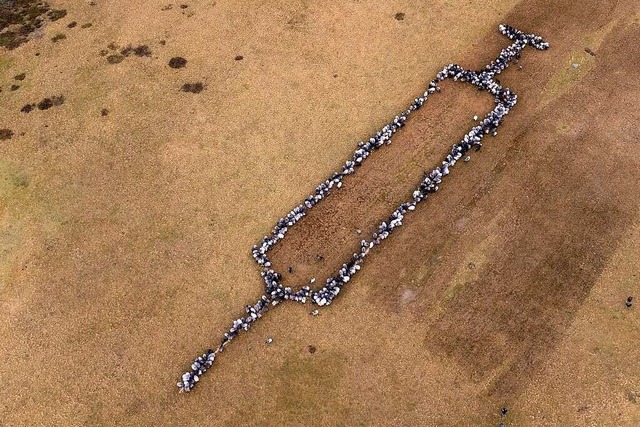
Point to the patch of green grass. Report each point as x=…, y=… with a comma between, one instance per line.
x=5, y=61
x=170, y=234
x=567, y=76
x=20, y=179
x=453, y=290
x=308, y=384
x=562, y=127
x=12, y=180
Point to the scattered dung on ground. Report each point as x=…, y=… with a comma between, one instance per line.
x=5, y=134
x=399, y=16
x=47, y=103
x=312, y=349
x=140, y=51
x=15, y=87
x=177, y=62
x=115, y=59
x=104, y=112
x=27, y=108
x=20, y=76
x=192, y=87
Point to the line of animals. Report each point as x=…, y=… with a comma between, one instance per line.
x=275, y=292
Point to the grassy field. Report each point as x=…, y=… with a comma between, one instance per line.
x=128, y=208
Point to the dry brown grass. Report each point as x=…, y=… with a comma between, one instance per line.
x=124, y=238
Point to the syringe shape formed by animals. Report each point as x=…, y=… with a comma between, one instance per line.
x=275, y=292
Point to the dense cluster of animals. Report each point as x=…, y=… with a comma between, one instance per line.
x=276, y=292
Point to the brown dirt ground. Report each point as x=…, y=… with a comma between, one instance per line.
x=125, y=238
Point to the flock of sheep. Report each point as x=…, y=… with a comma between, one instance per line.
x=276, y=292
